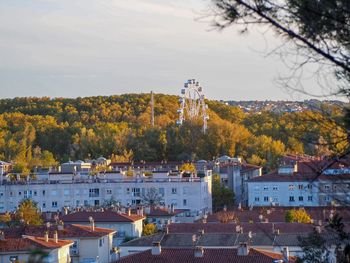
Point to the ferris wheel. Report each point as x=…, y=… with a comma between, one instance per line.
x=192, y=104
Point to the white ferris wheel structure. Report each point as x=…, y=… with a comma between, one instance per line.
x=192, y=104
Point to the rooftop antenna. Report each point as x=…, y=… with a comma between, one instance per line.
x=152, y=109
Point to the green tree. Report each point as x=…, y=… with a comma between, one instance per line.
x=222, y=196
x=314, y=249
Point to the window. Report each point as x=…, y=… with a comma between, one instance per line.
x=326, y=187
x=300, y=187
x=11, y=193
x=309, y=198
x=174, y=202
x=186, y=190
x=135, y=201
x=291, y=199
x=86, y=203
x=77, y=203
x=161, y=191
x=94, y=192
x=20, y=193
x=1, y=194
x=100, y=242
x=257, y=199
x=27, y=194
x=136, y=191
x=266, y=188
x=275, y=188
x=301, y=198
x=309, y=186
x=35, y=193
x=109, y=191
x=291, y=187
x=13, y=258
x=127, y=191
x=174, y=190
x=184, y=203
x=266, y=198
x=44, y=204
x=97, y=202
x=54, y=204
x=275, y=199
x=43, y=192
x=327, y=198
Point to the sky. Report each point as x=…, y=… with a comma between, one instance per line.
x=78, y=48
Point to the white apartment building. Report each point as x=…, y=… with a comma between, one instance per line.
x=52, y=192
x=291, y=186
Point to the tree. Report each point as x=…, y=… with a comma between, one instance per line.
x=318, y=29
x=152, y=197
x=342, y=251
x=149, y=229
x=6, y=219
x=297, y=216
x=27, y=213
x=314, y=249
x=222, y=196
x=188, y=167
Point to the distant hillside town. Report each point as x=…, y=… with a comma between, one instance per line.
x=284, y=106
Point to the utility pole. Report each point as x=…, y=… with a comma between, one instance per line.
x=152, y=109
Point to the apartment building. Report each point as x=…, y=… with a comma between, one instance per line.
x=52, y=192
x=304, y=183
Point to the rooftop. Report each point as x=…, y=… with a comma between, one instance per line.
x=209, y=255
x=29, y=242
x=68, y=231
x=105, y=216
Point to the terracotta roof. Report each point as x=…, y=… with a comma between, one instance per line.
x=277, y=214
x=159, y=212
x=231, y=228
x=210, y=255
x=69, y=231
x=106, y=216
x=29, y=242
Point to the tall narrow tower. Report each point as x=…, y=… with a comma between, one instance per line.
x=152, y=109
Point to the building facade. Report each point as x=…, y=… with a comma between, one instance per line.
x=68, y=190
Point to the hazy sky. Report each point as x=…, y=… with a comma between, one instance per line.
x=71, y=48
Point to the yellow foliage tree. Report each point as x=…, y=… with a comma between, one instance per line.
x=28, y=213
x=297, y=216
x=149, y=229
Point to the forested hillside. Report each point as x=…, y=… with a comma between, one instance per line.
x=41, y=131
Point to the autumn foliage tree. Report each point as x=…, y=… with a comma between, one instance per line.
x=28, y=213
x=297, y=216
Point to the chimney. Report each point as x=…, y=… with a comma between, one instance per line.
x=129, y=211
x=285, y=253
x=2, y=236
x=198, y=252
x=156, y=248
x=55, y=237
x=46, y=236
x=60, y=225
x=92, y=221
x=243, y=249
